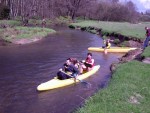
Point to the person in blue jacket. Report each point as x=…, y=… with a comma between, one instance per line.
x=146, y=42
x=68, y=71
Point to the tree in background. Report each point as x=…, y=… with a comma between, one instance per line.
x=146, y=16
x=104, y=10
x=132, y=13
x=4, y=10
x=148, y=12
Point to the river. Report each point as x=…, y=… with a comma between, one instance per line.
x=23, y=68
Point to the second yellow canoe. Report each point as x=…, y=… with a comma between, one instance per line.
x=112, y=49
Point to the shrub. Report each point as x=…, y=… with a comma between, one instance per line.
x=124, y=44
x=116, y=41
x=71, y=26
x=4, y=12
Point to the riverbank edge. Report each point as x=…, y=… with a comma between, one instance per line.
x=21, y=41
x=128, y=91
x=117, y=37
x=37, y=23
x=126, y=59
x=118, y=40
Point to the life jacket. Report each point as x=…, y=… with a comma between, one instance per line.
x=89, y=61
x=107, y=44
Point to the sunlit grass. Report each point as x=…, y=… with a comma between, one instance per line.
x=25, y=32
x=131, y=80
x=58, y=20
x=124, y=28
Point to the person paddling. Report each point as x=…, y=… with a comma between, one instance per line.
x=88, y=63
x=68, y=71
x=107, y=45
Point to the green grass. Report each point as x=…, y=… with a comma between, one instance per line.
x=14, y=31
x=10, y=22
x=39, y=22
x=146, y=52
x=129, y=80
x=59, y=20
x=124, y=28
x=33, y=31
x=25, y=33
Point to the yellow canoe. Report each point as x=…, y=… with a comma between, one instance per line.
x=56, y=83
x=112, y=49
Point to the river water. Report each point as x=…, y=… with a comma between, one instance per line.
x=23, y=68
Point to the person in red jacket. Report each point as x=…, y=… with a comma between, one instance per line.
x=88, y=63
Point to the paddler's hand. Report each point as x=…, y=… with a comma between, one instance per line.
x=83, y=61
x=60, y=69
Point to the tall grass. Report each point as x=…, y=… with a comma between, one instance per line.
x=128, y=92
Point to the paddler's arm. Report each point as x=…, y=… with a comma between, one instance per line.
x=109, y=45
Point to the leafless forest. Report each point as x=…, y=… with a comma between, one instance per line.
x=104, y=10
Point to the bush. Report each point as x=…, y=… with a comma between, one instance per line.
x=104, y=33
x=116, y=41
x=35, y=17
x=145, y=18
x=124, y=44
x=18, y=18
x=4, y=12
x=93, y=31
x=71, y=26
x=104, y=37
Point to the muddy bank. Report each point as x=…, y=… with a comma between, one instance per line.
x=131, y=55
x=18, y=41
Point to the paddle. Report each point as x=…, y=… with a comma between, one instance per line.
x=76, y=78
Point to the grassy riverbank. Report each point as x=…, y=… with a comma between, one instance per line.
x=12, y=31
x=50, y=22
x=36, y=22
x=128, y=91
x=23, y=35
x=129, y=88
x=124, y=28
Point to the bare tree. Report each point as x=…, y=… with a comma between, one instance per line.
x=147, y=12
x=108, y=10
